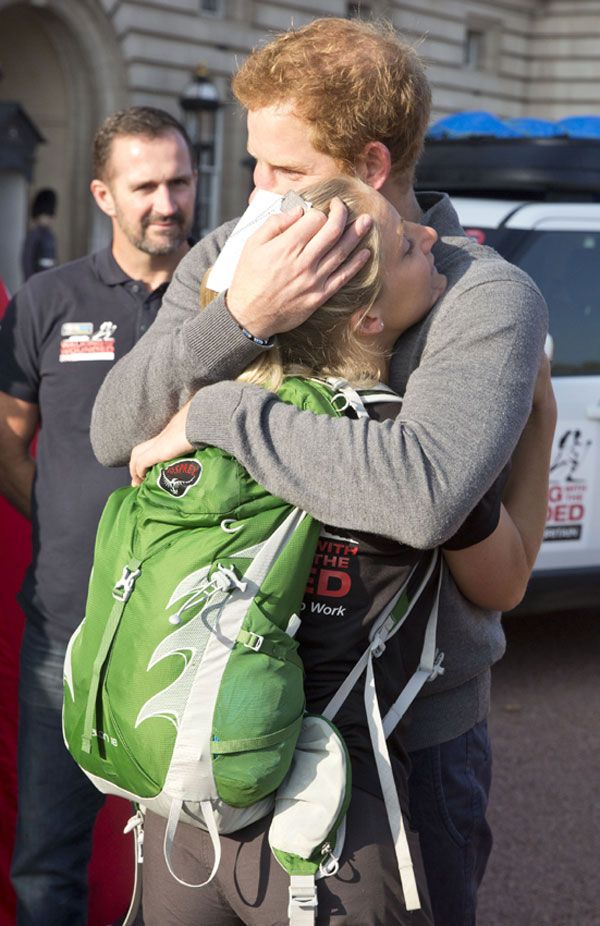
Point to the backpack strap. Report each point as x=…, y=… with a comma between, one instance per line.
x=379, y=733
x=302, y=906
x=121, y=593
x=346, y=397
x=389, y=622
x=379, y=394
x=390, y=794
x=136, y=823
x=430, y=666
x=211, y=825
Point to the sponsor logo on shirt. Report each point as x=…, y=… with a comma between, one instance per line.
x=81, y=342
x=331, y=575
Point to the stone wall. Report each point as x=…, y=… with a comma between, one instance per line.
x=513, y=57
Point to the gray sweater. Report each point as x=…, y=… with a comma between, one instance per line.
x=466, y=372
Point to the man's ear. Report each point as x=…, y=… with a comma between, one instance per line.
x=103, y=196
x=374, y=164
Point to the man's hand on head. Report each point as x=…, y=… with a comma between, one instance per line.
x=292, y=264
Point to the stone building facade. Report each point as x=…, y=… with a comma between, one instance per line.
x=69, y=63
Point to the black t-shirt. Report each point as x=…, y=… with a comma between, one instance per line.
x=60, y=336
x=354, y=575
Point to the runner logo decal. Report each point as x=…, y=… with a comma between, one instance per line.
x=572, y=480
x=179, y=477
x=81, y=342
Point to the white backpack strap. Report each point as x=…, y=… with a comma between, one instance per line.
x=302, y=907
x=351, y=679
x=390, y=794
x=136, y=823
x=211, y=826
x=388, y=623
x=430, y=666
x=346, y=397
x=346, y=687
x=379, y=395
x=379, y=729
x=385, y=627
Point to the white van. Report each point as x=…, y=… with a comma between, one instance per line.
x=558, y=244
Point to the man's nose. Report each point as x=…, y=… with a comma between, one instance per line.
x=164, y=201
x=265, y=178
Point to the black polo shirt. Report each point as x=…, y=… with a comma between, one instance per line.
x=61, y=334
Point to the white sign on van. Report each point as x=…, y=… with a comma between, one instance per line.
x=571, y=483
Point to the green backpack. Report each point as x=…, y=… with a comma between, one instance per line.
x=183, y=686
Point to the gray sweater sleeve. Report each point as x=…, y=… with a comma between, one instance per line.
x=417, y=478
x=183, y=350
x=473, y=362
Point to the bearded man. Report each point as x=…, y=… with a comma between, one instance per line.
x=62, y=333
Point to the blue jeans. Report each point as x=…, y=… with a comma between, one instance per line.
x=57, y=803
x=448, y=791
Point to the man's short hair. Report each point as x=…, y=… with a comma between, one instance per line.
x=353, y=82
x=145, y=121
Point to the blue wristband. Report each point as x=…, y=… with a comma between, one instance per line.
x=262, y=342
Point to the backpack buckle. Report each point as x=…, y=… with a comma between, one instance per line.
x=124, y=587
x=224, y=578
x=254, y=641
x=438, y=668
x=303, y=899
x=330, y=865
x=377, y=646
x=137, y=823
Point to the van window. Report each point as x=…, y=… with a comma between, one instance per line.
x=566, y=267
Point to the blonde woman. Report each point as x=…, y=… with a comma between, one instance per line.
x=490, y=559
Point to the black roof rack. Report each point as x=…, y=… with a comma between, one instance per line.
x=539, y=168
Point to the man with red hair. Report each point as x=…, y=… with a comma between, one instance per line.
x=343, y=95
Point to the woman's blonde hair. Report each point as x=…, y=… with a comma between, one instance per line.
x=328, y=343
